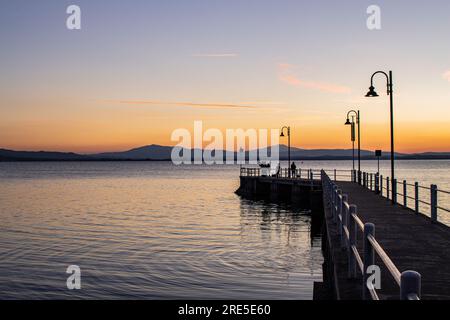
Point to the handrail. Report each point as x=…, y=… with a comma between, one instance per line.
x=444, y=209
x=358, y=221
x=348, y=225
x=358, y=258
x=299, y=173
x=385, y=258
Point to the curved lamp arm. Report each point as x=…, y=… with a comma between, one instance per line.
x=287, y=128
x=356, y=114
x=348, y=113
x=387, y=80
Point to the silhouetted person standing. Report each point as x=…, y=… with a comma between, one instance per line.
x=293, y=169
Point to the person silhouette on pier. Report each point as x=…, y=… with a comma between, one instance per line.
x=293, y=169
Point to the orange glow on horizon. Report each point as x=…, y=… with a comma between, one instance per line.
x=409, y=138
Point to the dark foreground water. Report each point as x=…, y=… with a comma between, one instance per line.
x=149, y=231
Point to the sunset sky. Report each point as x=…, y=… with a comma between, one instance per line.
x=137, y=70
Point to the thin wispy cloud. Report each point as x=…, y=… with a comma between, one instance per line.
x=215, y=55
x=446, y=75
x=255, y=106
x=286, y=74
x=206, y=105
x=264, y=103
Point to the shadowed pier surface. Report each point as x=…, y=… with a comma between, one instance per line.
x=411, y=240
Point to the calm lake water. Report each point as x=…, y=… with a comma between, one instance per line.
x=155, y=231
x=149, y=231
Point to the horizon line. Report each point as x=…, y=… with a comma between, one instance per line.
x=225, y=150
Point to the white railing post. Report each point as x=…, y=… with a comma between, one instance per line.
x=335, y=194
x=340, y=212
x=369, y=257
x=433, y=202
x=394, y=191
x=388, y=186
x=416, y=196
x=405, y=194
x=336, y=207
x=353, y=229
x=410, y=285
x=347, y=224
x=377, y=183
x=327, y=189
x=381, y=185
x=344, y=199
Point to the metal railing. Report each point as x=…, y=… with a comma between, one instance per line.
x=421, y=199
x=309, y=174
x=349, y=224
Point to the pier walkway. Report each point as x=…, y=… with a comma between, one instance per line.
x=375, y=247
x=411, y=241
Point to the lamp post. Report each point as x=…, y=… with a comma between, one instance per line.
x=352, y=126
x=289, y=146
x=390, y=92
x=358, y=122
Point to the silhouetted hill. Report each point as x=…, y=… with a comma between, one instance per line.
x=152, y=152
x=157, y=152
x=11, y=155
x=427, y=155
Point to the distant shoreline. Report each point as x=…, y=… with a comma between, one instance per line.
x=169, y=160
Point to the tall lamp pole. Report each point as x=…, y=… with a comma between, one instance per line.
x=353, y=141
x=289, y=146
x=358, y=122
x=390, y=92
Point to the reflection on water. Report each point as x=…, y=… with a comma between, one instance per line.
x=148, y=230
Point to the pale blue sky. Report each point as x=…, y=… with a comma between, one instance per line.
x=158, y=51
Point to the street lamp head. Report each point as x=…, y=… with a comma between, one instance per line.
x=372, y=92
x=282, y=134
x=347, y=123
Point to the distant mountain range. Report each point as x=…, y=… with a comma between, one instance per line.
x=163, y=153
